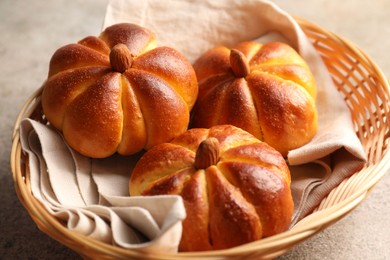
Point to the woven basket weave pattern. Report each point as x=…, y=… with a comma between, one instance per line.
x=366, y=93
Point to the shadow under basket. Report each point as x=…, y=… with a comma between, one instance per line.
x=366, y=93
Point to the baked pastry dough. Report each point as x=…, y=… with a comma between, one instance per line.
x=119, y=92
x=267, y=90
x=235, y=188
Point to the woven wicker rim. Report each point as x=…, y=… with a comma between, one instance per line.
x=366, y=92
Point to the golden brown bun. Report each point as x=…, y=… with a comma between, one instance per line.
x=267, y=90
x=119, y=92
x=235, y=188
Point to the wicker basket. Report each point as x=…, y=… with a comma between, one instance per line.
x=366, y=93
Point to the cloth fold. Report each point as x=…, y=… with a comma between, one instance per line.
x=91, y=195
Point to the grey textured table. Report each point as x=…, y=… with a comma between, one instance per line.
x=30, y=31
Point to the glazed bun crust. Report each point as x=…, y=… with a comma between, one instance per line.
x=273, y=99
x=119, y=92
x=243, y=196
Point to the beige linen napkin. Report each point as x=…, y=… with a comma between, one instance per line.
x=193, y=27
x=91, y=195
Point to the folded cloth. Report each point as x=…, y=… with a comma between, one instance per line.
x=91, y=195
x=193, y=27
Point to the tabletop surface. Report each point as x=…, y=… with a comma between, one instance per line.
x=30, y=31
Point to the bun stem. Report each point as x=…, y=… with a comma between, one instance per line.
x=239, y=64
x=120, y=58
x=207, y=153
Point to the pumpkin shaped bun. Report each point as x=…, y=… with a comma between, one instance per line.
x=235, y=188
x=267, y=90
x=119, y=92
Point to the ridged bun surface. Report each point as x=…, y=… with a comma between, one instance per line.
x=119, y=92
x=235, y=188
x=265, y=89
